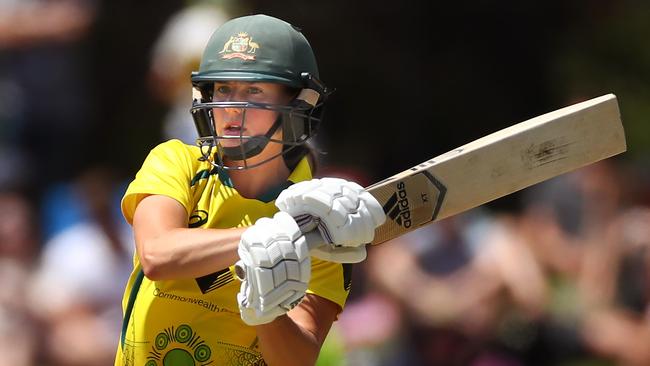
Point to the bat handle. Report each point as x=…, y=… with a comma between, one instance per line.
x=314, y=239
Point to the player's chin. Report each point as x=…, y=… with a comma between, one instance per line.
x=230, y=142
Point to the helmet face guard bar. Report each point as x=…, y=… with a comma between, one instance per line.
x=298, y=122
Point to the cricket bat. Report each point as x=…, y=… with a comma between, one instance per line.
x=499, y=164
x=494, y=166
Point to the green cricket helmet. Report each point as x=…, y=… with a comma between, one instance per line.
x=258, y=48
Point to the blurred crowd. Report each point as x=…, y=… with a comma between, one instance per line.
x=561, y=278
x=65, y=250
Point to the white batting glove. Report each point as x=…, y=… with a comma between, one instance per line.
x=344, y=213
x=274, y=267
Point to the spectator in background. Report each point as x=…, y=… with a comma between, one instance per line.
x=44, y=105
x=43, y=109
x=82, y=271
x=565, y=282
x=19, y=231
x=592, y=241
x=177, y=53
x=466, y=285
x=18, y=245
x=617, y=325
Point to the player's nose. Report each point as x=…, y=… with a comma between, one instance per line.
x=233, y=110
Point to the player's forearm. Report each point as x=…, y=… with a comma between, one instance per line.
x=189, y=253
x=284, y=342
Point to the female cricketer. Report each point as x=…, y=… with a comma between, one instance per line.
x=223, y=273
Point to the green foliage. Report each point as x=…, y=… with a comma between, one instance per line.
x=332, y=353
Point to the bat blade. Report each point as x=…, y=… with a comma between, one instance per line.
x=499, y=164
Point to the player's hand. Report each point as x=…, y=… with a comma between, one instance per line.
x=274, y=268
x=342, y=211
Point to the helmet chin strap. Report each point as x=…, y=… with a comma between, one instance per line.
x=253, y=145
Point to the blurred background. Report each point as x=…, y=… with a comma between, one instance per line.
x=558, y=274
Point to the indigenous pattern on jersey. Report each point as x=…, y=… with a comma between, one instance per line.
x=196, y=321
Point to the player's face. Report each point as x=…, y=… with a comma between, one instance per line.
x=231, y=121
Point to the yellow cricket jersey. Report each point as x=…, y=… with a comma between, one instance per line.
x=196, y=321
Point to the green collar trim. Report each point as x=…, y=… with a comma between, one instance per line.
x=274, y=192
x=300, y=173
x=224, y=177
x=203, y=174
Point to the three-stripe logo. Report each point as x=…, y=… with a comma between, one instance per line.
x=397, y=207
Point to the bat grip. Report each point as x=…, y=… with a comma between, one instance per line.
x=314, y=239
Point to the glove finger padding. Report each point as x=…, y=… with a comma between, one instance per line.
x=275, y=266
x=346, y=215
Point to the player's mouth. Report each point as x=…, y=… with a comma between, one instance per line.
x=233, y=129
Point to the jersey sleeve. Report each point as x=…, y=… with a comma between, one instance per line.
x=166, y=171
x=330, y=280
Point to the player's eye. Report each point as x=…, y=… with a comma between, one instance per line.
x=222, y=90
x=254, y=90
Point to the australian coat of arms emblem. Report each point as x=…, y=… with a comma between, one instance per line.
x=240, y=46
